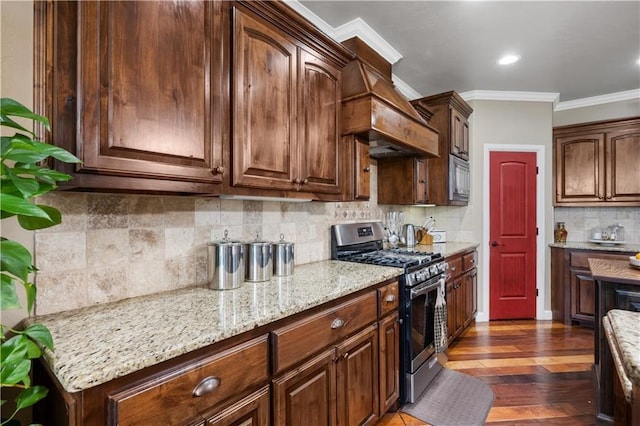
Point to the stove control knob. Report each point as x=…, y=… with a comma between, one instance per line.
x=434, y=270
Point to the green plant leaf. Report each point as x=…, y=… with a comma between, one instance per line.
x=30, y=396
x=26, y=186
x=16, y=109
x=14, y=372
x=14, y=349
x=33, y=351
x=9, y=297
x=8, y=122
x=17, y=205
x=32, y=223
x=15, y=259
x=25, y=156
x=30, y=290
x=40, y=334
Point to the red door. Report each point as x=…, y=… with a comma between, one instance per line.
x=512, y=243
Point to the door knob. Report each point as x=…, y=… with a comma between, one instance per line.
x=495, y=244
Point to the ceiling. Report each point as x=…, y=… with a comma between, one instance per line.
x=577, y=49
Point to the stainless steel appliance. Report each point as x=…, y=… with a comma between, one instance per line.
x=459, y=179
x=423, y=275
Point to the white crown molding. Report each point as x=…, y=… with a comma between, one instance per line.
x=498, y=95
x=598, y=100
x=408, y=91
x=356, y=27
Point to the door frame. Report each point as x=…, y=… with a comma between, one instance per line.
x=483, y=316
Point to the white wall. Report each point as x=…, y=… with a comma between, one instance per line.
x=510, y=125
x=608, y=111
x=16, y=81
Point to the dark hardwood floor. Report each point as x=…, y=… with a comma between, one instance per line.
x=540, y=372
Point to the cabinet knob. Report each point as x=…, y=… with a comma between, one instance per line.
x=306, y=181
x=206, y=386
x=337, y=323
x=218, y=170
x=600, y=197
x=366, y=169
x=296, y=181
x=391, y=298
x=422, y=181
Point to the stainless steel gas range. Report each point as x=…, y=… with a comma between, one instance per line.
x=423, y=276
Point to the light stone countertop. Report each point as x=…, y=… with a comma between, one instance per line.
x=97, y=344
x=628, y=247
x=626, y=331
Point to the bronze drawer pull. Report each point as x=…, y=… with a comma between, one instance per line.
x=206, y=386
x=391, y=298
x=337, y=323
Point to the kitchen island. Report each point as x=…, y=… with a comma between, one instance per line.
x=618, y=287
x=622, y=329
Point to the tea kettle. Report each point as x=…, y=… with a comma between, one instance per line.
x=409, y=235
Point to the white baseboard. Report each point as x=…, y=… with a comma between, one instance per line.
x=483, y=317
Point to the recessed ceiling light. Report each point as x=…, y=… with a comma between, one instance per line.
x=508, y=59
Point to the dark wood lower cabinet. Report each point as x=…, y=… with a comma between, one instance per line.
x=389, y=350
x=347, y=373
x=307, y=395
x=461, y=292
x=572, y=287
x=251, y=411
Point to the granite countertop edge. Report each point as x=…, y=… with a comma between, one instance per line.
x=129, y=335
x=585, y=245
x=626, y=329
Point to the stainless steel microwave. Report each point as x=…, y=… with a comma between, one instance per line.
x=459, y=180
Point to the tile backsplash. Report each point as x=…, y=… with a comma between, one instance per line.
x=111, y=247
x=579, y=221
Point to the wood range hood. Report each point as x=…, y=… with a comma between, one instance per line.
x=374, y=110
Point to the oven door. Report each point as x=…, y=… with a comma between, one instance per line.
x=422, y=318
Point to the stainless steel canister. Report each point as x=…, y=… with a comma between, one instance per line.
x=225, y=267
x=259, y=260
x=282, y=257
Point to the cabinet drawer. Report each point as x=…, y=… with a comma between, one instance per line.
x=455, y=267
x=469, y=260
x=170, y=399
x=388, y=298
x=580, y=260
x=303, y=338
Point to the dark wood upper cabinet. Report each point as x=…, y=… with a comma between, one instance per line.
x=128, y=88
x=448, y=178
x=286, y=104
x=596, y=164
x=210, y=97
x=403, y=181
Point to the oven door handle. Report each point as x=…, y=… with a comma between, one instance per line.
x=426, y=289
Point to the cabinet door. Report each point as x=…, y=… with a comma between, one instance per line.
x=145, y=90
x=580, y=168
x=459, y=135
x=421, y=173
x=264, y=105
x=250, y=411
x=470, y=296
x=362, y=170
x=623, y=158
x=307, y=395
x=582, y=296
x=389, y=332
x=357, y=369
x=319, y=124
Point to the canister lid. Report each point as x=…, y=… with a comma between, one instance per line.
x=258, y=243
x=282, y=242
x=225, y=241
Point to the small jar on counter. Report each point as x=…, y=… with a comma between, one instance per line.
x=560, y=233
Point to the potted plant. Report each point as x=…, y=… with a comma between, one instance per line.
x=23, y=177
